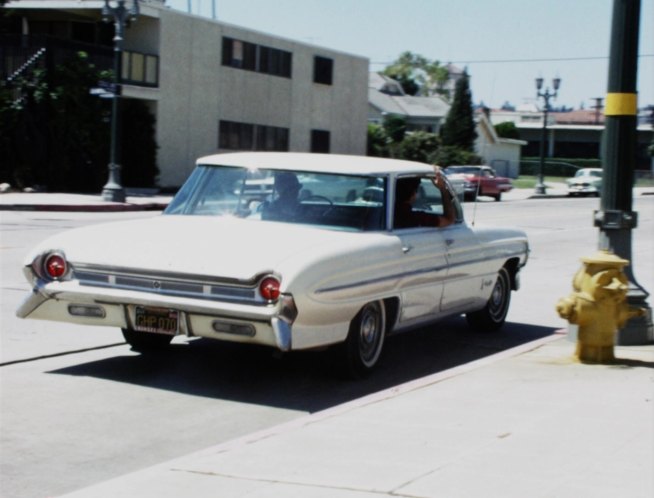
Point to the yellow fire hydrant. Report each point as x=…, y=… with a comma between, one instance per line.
x=598, y=306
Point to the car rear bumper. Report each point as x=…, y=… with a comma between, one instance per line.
x=582, y=189
x=85, y=305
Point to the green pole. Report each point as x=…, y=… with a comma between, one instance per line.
x=615, y=219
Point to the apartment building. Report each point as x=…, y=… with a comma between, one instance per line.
x=212, y=87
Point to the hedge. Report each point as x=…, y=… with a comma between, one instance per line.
x=556, y=166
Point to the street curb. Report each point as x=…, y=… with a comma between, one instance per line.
x=548, y=196
x=93, y=208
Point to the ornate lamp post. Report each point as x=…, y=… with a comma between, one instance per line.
x=546, y=95
x=113, y=190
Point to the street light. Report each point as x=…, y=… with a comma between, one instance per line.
x=546, y=95
x=113, y=190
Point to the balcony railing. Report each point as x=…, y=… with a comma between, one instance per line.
x=20, y=54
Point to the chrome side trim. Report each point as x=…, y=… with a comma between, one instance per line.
x=167, y=275
x=167, y=284
x=379, y=280
x=450, y=275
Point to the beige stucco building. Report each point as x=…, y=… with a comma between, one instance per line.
x=214, y=87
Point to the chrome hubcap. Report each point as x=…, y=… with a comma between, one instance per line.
x=370, y=333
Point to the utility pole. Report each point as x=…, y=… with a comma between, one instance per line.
x=598, y=107
x=615, y=218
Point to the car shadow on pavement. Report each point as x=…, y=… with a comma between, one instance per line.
x=307, y=381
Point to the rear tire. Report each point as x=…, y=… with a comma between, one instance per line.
x=492, y=316
x=146, y=341
x=365, y=340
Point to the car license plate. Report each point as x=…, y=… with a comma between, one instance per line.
x=156, y=320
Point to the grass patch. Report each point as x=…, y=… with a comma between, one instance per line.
x=530, y=181
x=527, y=181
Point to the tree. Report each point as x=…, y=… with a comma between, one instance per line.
x=450, y=155
x=414, y=146
x=459, y=127
x=508, y=129
x=55, y=135
x=377, y=141
x=139, y=155
x=395, y=128
x=419, y=146
x=417, y=74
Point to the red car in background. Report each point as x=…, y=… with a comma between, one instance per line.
x=479, y=180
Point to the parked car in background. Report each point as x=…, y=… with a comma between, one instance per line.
x=587, y=181
x=457, y=182
x=479, y=180
x=321, y=262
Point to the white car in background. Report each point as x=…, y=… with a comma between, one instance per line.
x=587, y=181
x=335, y=272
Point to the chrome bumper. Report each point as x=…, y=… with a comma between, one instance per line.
x=51, y=301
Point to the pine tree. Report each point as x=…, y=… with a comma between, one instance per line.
x=459, y=127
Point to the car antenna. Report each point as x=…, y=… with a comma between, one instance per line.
x=474, y=207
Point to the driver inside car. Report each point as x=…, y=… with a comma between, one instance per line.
x=286, y=204
x=406, y=193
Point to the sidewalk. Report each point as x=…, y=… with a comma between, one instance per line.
x=525, y=422
x=18, y=201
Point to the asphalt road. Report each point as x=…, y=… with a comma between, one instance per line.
x=78, y=407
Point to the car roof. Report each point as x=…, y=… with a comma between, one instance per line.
x=456, y=167
x=317, y=163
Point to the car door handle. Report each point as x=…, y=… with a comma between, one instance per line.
x=406, y=249
x=449, y=242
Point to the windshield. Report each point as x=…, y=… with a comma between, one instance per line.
x=334, y=200
x=589, y=172
x=468, y=170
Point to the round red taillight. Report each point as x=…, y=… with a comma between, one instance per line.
x=55, y=266
x=269, y=288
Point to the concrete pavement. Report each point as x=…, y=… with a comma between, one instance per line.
x=19, y=201
x=529, y=421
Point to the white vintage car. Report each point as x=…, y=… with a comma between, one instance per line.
x=319, y=262
x=587, y=181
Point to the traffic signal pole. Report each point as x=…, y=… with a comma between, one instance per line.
x=615, y=218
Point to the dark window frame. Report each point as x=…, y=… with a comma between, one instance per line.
x=320, y=141
x=259, y=58
x=323, y=70
x=233, y=135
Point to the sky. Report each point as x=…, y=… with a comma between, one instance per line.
x=504, y=44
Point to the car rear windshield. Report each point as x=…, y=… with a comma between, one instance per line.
x=349, y=202
x=462, y=170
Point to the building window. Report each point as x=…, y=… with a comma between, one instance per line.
x=323, y=69
x=138, y=68
x=319, y=141
x=240, y=54
x=274, y=61
x=259, y=58
x=245, y=136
